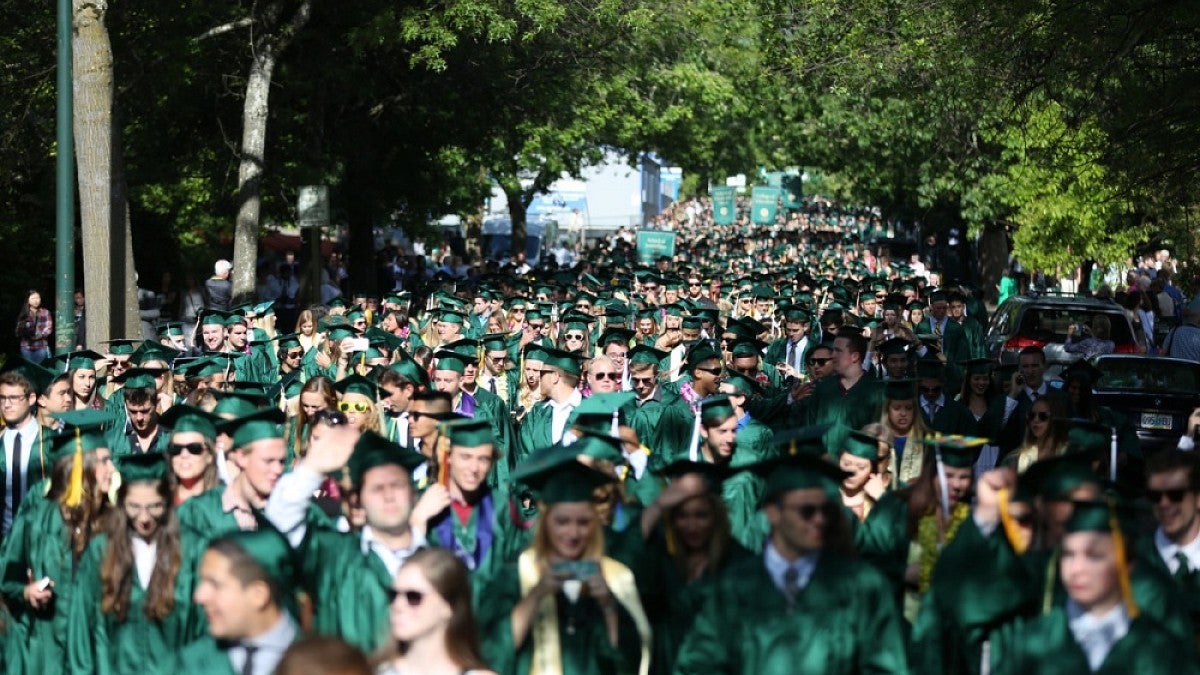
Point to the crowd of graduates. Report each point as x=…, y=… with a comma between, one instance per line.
x=766, y=454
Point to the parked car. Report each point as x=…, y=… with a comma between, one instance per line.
x=1043, y=321
x=1157, y=394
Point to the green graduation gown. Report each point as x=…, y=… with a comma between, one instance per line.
x=842, y=621
x=99, y=643
x=348, y=587
x=204, y=655
x=490, y=407
x=846, y=410
x=535, y=431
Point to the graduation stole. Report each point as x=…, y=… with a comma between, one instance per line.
x=469, y=541
x=927, y=546
x=547, y=651
x=466, y=404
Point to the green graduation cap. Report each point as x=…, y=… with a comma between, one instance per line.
x=599, y=444
x=453, y=361
x=337, y=302
x=182, y=418
x=702, y=352
x=468, y=433
x=270, y=549
x=139, y=378
x=713, y=474
x=153, y=351
x=645, y=354
x=122, y=346
x=715, y=407
x=1055, y=478
x=1086, y=436
x=287, y=341
x=615, y=336
x=557, y=475
x=979, y=366
x=803, y=440
x=340, y=332
x=797, y=472
x=83, y=431
x=745, y=347
x=742, y=384
x=691, y=323
x=930, y=368
x=81, y=360
x=494, y=342
x=373, y=450
x=452, y=316
x=262, y=308
x=203, y=367
x=466, y=347
x=168, y=328
x=261, y=425
x=357, y=384
x=565, y=361
x=901, y=390
x=597, y=411
x=142, y=466
x=862, y=445
x=39, y=378
x=894, y=347
x=214, y=317
x=959, y=456
x=405, y=366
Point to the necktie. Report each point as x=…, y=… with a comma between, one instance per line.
x=248, y=666
x=492, y=385
x=1184, y=574
x=937, y=328
x=791, y=584
x=15, y=474
x=932, y=410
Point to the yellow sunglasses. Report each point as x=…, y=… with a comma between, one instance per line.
x=354, y=406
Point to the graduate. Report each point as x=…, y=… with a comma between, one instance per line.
x=806, y=605
x=559, y=390
x=347, y=574
x=245, y=585
x=564, y=605
x=449, y=374
x=1099, y=628
x=850, y=398
x=690, y=545
x=49, y=537
x=133, y=606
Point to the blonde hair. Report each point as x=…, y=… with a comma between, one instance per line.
x=542, y=548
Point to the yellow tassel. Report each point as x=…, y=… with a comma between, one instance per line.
x=74, y=492
x=1007, y=522
x=443, y=449
x=669, y=536
x=1131, y=607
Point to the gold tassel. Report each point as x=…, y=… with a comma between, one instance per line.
x=1131, y=607
x=1007, y=522
x=73, y=495
x=443, y=449
x=669, y=536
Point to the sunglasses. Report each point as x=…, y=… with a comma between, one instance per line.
x=1173, y=496
x=537, y=326
x=606, y=376
x=931, y=390
x=355, y=406
x=1024, y=520
x=641, y=380
x=693, y=285
x=412, y=598
x=176, y=449
x=574, y=336
x=818, y=362
x=1039, y=416
x=295, y=355
x=809, y=511
x=330, y=418
x=711, y=371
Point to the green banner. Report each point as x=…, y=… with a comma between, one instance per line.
x=724, y=204
x=793, y=192
x=654, y=243
x=764, y=202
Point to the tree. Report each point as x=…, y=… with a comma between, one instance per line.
x=107, y=245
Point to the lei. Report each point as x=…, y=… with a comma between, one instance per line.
x=930, y=547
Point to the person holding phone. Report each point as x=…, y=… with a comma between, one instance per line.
x=564, y=598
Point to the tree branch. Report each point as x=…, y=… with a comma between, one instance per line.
x=244, y=22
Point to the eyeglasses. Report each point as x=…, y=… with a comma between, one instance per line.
x=176, y=449
x=1173, y=496
x=413, y=598
x=15, y=398
x=354, y=406
x=818, y=362
x=931, y=390
x=809, y=511
x=605, y=376
x=1039, y=416
x=330, y=418
x=641, y=380
x=693, y=284
x=711, y=371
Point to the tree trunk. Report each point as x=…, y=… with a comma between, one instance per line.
x=993, y=258
x=360, y=218
x=107, y=248
x=517, y=210
x=255, y=109
x=254, y=144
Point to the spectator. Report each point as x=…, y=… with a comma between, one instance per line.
x=80, y=322
x=218, y=290
x=323, y=655
x=1184, y=341
x=1090, y=341
x=34, y=327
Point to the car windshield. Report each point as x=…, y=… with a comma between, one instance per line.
x=1050, y=324
x=1148, y=375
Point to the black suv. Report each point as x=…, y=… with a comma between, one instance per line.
x=1043, y=320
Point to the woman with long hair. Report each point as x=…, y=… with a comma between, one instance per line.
x=1045, y=435
x=574, y=339
x=306, y=330
x=316, y=395
x=81, y=369
x=564, y=600
x=903, y=420
x=863, y=485
x=34, y=328
x=980, y=394
x=432, y=622
x=49, y=536
x=909, y=527
x=357, y=400
x=688, y=532
x=133, y=607
x=191, y=451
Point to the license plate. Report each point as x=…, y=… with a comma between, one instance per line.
x=1151, y=421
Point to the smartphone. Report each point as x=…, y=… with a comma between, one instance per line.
x=43, y=584
x=577, y=569
x=359, y=344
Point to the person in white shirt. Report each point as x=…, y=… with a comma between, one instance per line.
x=1172, y=482
x=22, y=440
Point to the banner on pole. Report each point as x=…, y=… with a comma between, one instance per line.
x=724, y=204
x=651, y=244
x=764, y=203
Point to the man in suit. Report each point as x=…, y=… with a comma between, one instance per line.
x=790, y=349
x=952, y=347
x=938, y=408
x=24, y=459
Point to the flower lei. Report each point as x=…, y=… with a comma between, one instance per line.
x=927, y=539
x=689, y=394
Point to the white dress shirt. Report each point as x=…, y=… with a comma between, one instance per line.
x=777, y=567
x=145, y=553
x=29, y=439
x=1096, y=635
x=1168, y=550
x=559, y=412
